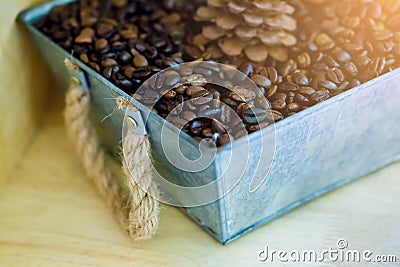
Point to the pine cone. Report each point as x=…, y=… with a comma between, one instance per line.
x=254, y=28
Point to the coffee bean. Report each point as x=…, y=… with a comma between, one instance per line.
x=381, y=35
x=94, y=66
x=293, y=107
x=246, y=68
x=307, y=91
x=258, y=126
x=330, y=62
x=202, y=98
x=254, y=115
x=276, y=115
x=335, y=75
x=324, y=42
x=107, y=72
x=300, y=78
x=287, y=67
x=320, y=95
x=272, y=90
x=105, y=30
x=84, y=58
x=303, y=100
x=195, y=90
x=172, y=78
x=101, y=44
x=328, y=85
x=129, y=71
x=170, y=94
x=351, y=69
x=261, y=81
x=288, y=87
x=278, y=104
x=125, y=57
x=240, y=94
x=86, y=36
x=108, y=62
x=341, y=55
x=196, y=127
x=140, y=61
x=224, y=139
x=304, y=60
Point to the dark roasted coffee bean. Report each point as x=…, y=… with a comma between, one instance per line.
x=271, y=91
x=300, y=78
x=303, y=100
x=246, y=68
x=307, y=91
x=124, y=83
x=320, y=67
x=341, y=55
x=107, y=72
x=240, y=94
x=125, y=57
x=254, y=115
x=351, y=69
x=101, y=44
x=202, y=98
x=141, y=73
x=330, y=62
x=343, y=86
x=328, y=85
x=279, y=96
x=218, y=126
x=86, y=36
x=94, y=66
x=105, y=30
x=208, y=133
x=84, y=58
x=196, y=127
x=304, y=60
x=172, y=78
x=293, y=107
x=335, y=75
x=324, y=42
x=140, y=61
x=278, y=104
x=258, y=126
x=288, y=87
x=195, y=90
x=261, y=81
x=224, y=139
x=287, y=67
x=320, y=95
x=181, y=89
x=169, y=94
x=107, y=62
x=128, y=71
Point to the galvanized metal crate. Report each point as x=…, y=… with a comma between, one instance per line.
x=317, y=150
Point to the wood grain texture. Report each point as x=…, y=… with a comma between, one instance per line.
x=50, y=215
x=24, y=85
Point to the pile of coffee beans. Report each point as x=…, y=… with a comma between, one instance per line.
x=341, y=44
x=126, y=41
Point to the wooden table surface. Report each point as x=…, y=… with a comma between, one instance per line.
x=50, y=215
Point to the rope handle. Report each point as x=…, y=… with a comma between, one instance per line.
x=132, y=201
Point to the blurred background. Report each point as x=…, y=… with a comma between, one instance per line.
x=24, y=86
